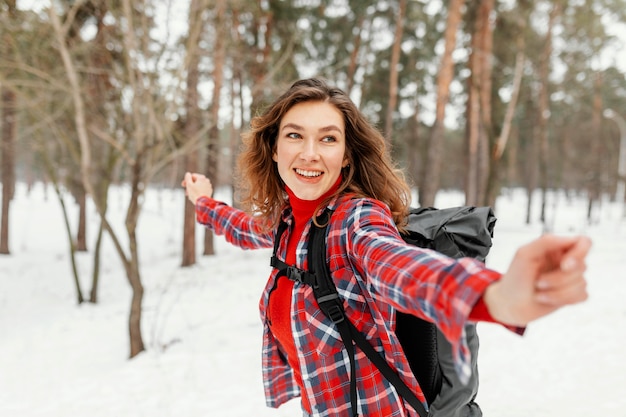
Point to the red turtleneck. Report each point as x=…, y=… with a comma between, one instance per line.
x=279, y=309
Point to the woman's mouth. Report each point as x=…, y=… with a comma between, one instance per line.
x=307, y=173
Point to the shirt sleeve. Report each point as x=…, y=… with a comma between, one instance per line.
x=238, y=227
x=417, y=281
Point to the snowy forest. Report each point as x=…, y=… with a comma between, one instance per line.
x=474, y=96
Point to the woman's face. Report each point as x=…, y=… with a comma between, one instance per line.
x=310, y=148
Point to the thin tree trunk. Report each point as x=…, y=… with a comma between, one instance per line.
x=413, y=146
x=81, y=231
x=595, y=189
x=531, y=156
x=485, y=142
x=544, y=110
x=51, y=172
x=493, y=185
x=473, y=115
x=7, y=155
x=8, y=122
x=214, y=131
x=95, y=276
x=431, y=178
x=393, y=71
x=79, y=292
x=478, y=129
x=192, y=124
x=133, y=272
x=354, y=55
x=512, y=157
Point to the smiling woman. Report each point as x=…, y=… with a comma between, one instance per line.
x=311, y=148
x=312, y=157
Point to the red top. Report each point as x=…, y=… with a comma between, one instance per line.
x=279, y=309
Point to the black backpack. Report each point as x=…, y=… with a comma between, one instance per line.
x=456, y=232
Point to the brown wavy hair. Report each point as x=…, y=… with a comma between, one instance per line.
x=370, y=172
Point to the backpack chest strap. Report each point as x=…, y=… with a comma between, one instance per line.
x=293, y=272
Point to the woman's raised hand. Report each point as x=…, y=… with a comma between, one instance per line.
x=196, y=186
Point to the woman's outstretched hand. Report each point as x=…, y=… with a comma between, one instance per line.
x=544, y=275
x=196, y=186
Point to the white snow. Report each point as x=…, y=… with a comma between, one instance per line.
x=203, y=333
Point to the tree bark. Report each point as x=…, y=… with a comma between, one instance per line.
x=493, y=184
x=192, y=125
x=430, y=180
x=595, y=186
x=7, y=143
x=486, y=10
x=7, y=155
x=214, y=131
x=81, y=231
x=544, y=110
x=479, y=127
x=354, y=54
x=393, y=71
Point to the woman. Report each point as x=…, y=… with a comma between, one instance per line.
x=313, y=149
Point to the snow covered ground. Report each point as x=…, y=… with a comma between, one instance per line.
x=203, y=334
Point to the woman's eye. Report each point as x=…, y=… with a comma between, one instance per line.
x=293, y=135
x=329, y=139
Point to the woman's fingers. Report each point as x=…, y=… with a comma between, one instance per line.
x=562, y=289
x=574, y=258
x=565, y=284
x=544, y=275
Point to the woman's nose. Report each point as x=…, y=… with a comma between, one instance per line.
x=309, y=150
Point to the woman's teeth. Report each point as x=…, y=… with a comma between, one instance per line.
x=308, y=173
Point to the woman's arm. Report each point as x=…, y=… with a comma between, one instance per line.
x=544, y=275
x=238, y=227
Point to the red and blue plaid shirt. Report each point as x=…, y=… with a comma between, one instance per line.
x=376, y=273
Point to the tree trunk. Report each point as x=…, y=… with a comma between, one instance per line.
x=237, y=98
x=132, y=265
x=486, y=136
x=414, y=159
x=81, y=232
x=7, y=168
x=134, y=318
x=472, y=129
x=192, y=125
x=531, y=156
x=429, y=182
x=544, y=110
x=214, y=131
x=595, y=188
x=354, y=54
x=95, y=277
x=493, y=183
x=393, y=72
x=8, y=122
x=50, y=170
x=79, y=291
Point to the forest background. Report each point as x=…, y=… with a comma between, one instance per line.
x=474, y=96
